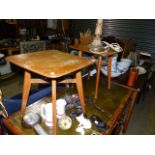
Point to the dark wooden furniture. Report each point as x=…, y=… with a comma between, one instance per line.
x=10, y=50
x=52, y=65
x=114, y=107
x=142, y=81
x=109, y=53
x=139, y=89
x=32, y=46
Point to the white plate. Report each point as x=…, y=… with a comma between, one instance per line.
x=141, y=70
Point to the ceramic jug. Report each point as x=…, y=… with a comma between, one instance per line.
x=46, y=114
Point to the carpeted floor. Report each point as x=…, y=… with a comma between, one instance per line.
x=143, y=119
x=12, y=86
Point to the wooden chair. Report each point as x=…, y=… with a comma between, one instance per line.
x=128, y=46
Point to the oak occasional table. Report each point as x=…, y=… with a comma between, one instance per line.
x=109, y=53
x=51, y=65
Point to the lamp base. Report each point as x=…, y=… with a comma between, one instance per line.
x=96, y=42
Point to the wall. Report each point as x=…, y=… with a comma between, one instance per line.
x=7, y=30
x=142, y=31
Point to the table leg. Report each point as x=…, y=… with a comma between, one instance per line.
x=98, y=75
x=130, y=110
x=88, y=76
x=79, y=86
x=26, y=90
x=54, y=106
x=109, y=71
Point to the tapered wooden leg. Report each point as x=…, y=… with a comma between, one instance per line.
x=130, y=110
x=79, y=86
x=26, y=90
x=54, y=106
x=98, y=75
x=88, y=76
x=109, y=71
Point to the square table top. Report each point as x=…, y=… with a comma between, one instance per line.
x=101, y=52
x=50, y=63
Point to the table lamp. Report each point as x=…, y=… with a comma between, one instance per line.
x=98, y=32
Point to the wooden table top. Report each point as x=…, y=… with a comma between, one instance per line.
x=50, y=63
x=102, y=52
